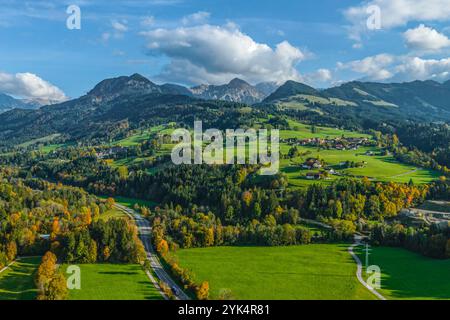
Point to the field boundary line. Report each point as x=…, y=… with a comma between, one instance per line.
x=359, y=272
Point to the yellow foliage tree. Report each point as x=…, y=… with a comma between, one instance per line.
x=203, y=291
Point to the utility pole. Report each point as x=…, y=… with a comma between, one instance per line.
x=367, y=255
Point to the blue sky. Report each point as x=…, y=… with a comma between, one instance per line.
x=322, y=43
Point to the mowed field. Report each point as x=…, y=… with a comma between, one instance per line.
x=17, y=282
x=410, y=276
x=114, y=282
x=304, y=131
x=323, y=271
x=378, y=168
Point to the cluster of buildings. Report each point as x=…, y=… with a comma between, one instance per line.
x=313, y=163
x=111, y=152
x=341, y=143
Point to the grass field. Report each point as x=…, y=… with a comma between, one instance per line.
x=130, y=202
x=112, y=214
x=144, y=135
x=303, y=131
x=114, y=282
x=379, y=168
x=408, y=275
x=299, y=272
x=17, y=282
x=39, y=140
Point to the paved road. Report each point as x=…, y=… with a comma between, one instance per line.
x=360, y=268
x=145, y=235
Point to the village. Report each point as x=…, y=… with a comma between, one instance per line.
x=341, y=143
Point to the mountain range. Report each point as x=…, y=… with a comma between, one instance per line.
x=417, y=100
x=8, y=103
x=134, y=100
x=236, y=91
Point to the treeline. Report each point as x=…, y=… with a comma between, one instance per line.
x=172, y=229
x=37, y=216
x=421, y=144
x=113, y=241
x=433, y=241
x=238, y=195
x=31, y=211
x=352, y=200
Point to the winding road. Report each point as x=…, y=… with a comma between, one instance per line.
x=145, y=235
x=360, y=268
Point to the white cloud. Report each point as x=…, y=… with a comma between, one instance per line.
x=426, y=39
x=318, y=78
x=389, y=68
x=216, y=54
x=415, y=68
x=396, y=13
x=30, y=86
x=200, y=17
x=119, y=26
x=374, y=68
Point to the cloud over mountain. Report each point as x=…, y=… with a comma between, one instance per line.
x=30, y=86
x=390, y=68
x=426, y=39
x=217, y=54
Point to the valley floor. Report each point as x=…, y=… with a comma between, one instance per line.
x=322, y=271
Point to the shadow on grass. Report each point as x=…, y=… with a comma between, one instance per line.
x=408, y=275
x=17, y=283
x=125, y=273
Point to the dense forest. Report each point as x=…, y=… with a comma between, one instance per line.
x=38, y=216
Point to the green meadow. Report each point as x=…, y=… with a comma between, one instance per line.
x=378, y=167
x=320, y=271
x=130, y=202
x=304, y=131
x=112, y=214
x=410, y=276
x=114, y=282
x=17, y=282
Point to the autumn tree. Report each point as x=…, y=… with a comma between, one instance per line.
x=203, y=291
x=56, y=289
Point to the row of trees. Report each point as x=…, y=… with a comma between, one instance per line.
x=49, y=280
x=114, y=241
x=431, y=241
